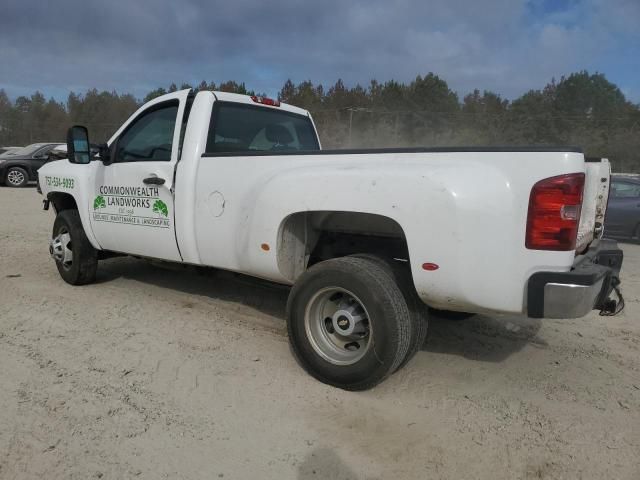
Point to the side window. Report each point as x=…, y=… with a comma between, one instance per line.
x=150, y=137
x=625, y=190
x=43, y=152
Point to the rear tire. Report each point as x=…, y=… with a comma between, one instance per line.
x=349, y=324
x=75, y=257
x=16, y=177
x=418, y=310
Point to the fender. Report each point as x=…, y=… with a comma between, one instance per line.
x=373, y=188
x=72, y=180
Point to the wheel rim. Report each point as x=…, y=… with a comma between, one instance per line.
x=61, y=249
x=15, y=177
x=337, y=326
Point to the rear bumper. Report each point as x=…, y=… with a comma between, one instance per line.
x=575, y=293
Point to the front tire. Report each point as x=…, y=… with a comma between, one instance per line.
x=349, y=324
x=16, y=177
x=75, y=257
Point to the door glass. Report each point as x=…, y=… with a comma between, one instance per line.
x=42, y=153
x=150, y=137
x=625, y=190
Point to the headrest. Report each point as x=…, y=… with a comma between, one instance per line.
x=279, y=134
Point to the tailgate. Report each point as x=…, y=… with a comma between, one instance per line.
x=594, y=201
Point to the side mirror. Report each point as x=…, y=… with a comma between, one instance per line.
x=78, y=145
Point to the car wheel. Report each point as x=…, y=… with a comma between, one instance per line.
x=349, y=324
x=16, y=177
x=75, y=257
x=419, y=311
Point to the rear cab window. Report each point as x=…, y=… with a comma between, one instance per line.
x=240, y=128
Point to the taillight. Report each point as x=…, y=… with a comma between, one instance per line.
x=265, y=101
x=554, y=213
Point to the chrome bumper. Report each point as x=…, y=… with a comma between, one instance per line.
x=585, y=287
x=568, y=300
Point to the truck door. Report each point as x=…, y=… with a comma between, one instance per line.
x=623, y=212
x=132, y=207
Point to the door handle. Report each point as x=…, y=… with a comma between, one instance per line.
x=153, y=181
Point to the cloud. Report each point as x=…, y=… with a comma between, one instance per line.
x=508, y=46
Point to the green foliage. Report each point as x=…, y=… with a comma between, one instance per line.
x=582, y=109
x=158, y=92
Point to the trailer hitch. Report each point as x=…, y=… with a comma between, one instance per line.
x=611, y=307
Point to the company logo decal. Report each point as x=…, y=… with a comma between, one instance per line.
x=99, y=202
x=131, y=206
x=160, y=207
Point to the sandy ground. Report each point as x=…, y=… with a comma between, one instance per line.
x=151, y=374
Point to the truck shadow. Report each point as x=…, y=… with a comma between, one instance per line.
x=265, y=297
x=482, y=338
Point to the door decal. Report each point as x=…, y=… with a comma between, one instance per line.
x=131, y=205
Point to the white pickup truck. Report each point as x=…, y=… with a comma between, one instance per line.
x=370, y=240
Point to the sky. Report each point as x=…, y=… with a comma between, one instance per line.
x=134, y=46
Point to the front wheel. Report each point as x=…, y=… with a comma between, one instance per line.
x=75, y=257
x=349, y=324
x=16, y=177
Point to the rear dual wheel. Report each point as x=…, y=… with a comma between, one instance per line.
x=418, y=311
x=349, y=322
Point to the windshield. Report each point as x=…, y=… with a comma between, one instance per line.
x=237, y=127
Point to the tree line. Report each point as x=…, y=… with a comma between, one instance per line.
x=582, y=109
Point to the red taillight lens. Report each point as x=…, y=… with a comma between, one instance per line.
x=265, y=101
x=554, y=213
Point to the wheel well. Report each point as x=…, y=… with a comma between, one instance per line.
x=306, y=238
x=62, y=201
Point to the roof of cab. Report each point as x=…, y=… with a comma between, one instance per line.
x=246, y=99
x=227, y=97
